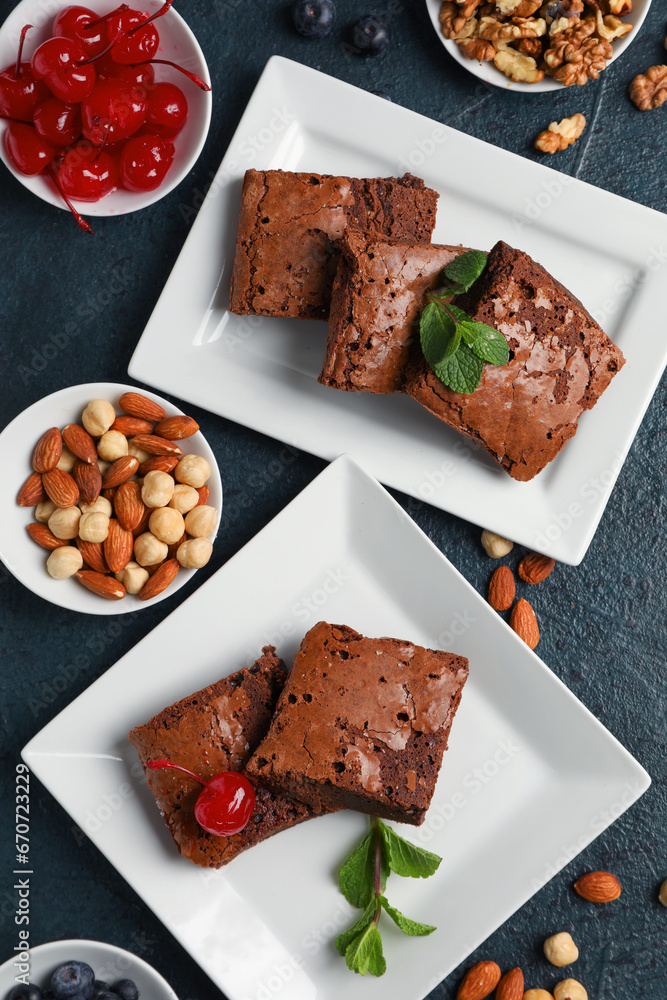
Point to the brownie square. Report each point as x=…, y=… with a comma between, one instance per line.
x=560, y=363
x=216, y=730
x=377, y=298
x=362, y=724
x=286, y=257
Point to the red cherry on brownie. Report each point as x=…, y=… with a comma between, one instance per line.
x=20, y=92
x=225, y=805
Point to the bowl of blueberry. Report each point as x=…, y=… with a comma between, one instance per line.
x=81, y=970
x=104, y=108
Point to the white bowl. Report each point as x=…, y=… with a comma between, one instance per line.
x=20, y=554
x=108, y=962
x=487, y=72
x=177, y=43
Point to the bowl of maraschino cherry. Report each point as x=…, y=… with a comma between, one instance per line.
x=103, y=109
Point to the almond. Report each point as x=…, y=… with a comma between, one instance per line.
x=535, y=568
x=60, y=487
x=173, y=548
x=128, y=505
x=109, y=495
x=155, y=445
x=138, y=405
x=502, y=589
x=47, y=451
x=89, y=480
x=143, y=524
x=93, y=555
x=103, y=586
x=120, y=471
x=32, y=491
x=177, y=428
x=159, y=463
x=598, y=887
x=129, y=426
x=41, y=534
x=80, y=443
x=118, y=546
x=511, y=985
x=160, y=580
x=479, y=981
x=524, y=623
x=203, y=492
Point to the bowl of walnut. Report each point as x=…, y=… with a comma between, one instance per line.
x=532, y=46
x=111, y=498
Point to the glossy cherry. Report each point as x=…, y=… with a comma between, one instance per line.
x=114, y=111
x=87, y=173
x=144, y=162
x=20, y=92
x=226, y=804
x=57, y=122
x=130, y=48
x=167, y=110
x=76, y=22
x=57, y=62
x=29, y=153
x=142, y=75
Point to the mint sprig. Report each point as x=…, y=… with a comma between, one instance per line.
x=454, y=345
x=363, y=879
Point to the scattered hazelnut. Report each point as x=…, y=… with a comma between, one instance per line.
x=98, y=417
x=201, y=521
x=133, y=577
x=158, y=489
x=537, y=995
x=44, y=510
x=495, y=545
x=101, y=505
x=194, y=553
x=570, y=989
x=662, y=895
x=167, y=524
x=149, y=550
x=112, y=446
x=184, y=498
x=67, y=460
x=193, y=470
x=560, y=949
x=63, y=562
x=134, y=450
x=64, y=523
x=94, y=527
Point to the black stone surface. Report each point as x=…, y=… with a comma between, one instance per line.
x=603, y=623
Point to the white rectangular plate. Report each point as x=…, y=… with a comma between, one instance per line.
x=346, y=552
x=262, y=372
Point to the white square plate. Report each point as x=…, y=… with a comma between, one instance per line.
x=262, y=372
x=346, y=552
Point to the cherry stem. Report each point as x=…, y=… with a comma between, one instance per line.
x=166, y=62
x=17, y=69
x=158, y=13
x=81, y=222
x=100, y=20
x=90, y=59
x=158, y=765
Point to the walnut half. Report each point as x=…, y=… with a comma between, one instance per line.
x=560, y=135
x=649, y=89
x=516, y=66
x=574, y=57
x=477, y=48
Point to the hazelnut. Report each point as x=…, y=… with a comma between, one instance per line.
x=63, y=562
x=570, y=989
x=194, y=553
x=66, y=461
x=64, y=522
x=112, y=446
x=101, y=506
x=201, y=521
x=495, y=545
x=44, y=510
x=133, y=577
x=537, y=995
x=167, y=525
x=149, y=550
x=98, y=417
x=158, y=489
x=193, y=470
x=184, y=498
x=94, y=527
x=137, y=452
x=560, y=949
x=662, y=894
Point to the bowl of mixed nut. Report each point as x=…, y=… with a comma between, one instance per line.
x=111, y=498
x=531, y=45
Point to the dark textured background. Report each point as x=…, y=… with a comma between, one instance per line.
x=603, y=622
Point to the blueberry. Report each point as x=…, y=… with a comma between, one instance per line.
x=126, y=989
x=383, y=94
x=73, y=981
x=370, y=36
x=313, y=18
x=27, y=991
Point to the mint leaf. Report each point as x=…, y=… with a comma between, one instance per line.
x=357, y=875
x=462, y=371
x=437, y=334
x=364, y=954
x=466, y=269
x=344, y=940
x=489, y=344
x=405, y=858
x=411, y=927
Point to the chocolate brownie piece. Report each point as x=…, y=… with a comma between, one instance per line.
x=286, y=257
x=560, y=363
x=362, y=724
x=376, y=301
x=216, y=730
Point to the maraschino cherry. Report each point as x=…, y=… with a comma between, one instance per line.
x=83, y=26
x=59, y=63
x=57, y=122
x=113, y=111
x=142, y=75
x=29, y=153
x=20, y=92
x=167, y=110
x=226, y=804
x=87, y=173
x=136, y=38
x=144, y=162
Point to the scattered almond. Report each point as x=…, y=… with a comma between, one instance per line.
x=128, y=505
x=524, y=623
x=60, y=487
x=535, y=568
x=41, y=534
x=47, y=451
x=138, y=405
x=502, y=589
x=160, y=580
x=120, y=471
x=129, y=426
x=156, y=445
x=104, y=586
x=88, y=478
x=118, y=546
x=511, y=985
x=598, y=887
x=158, y=463
x=479, y=982
x=32, y=491
x=93, y=555
x=177, y=428
x=80, y=443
